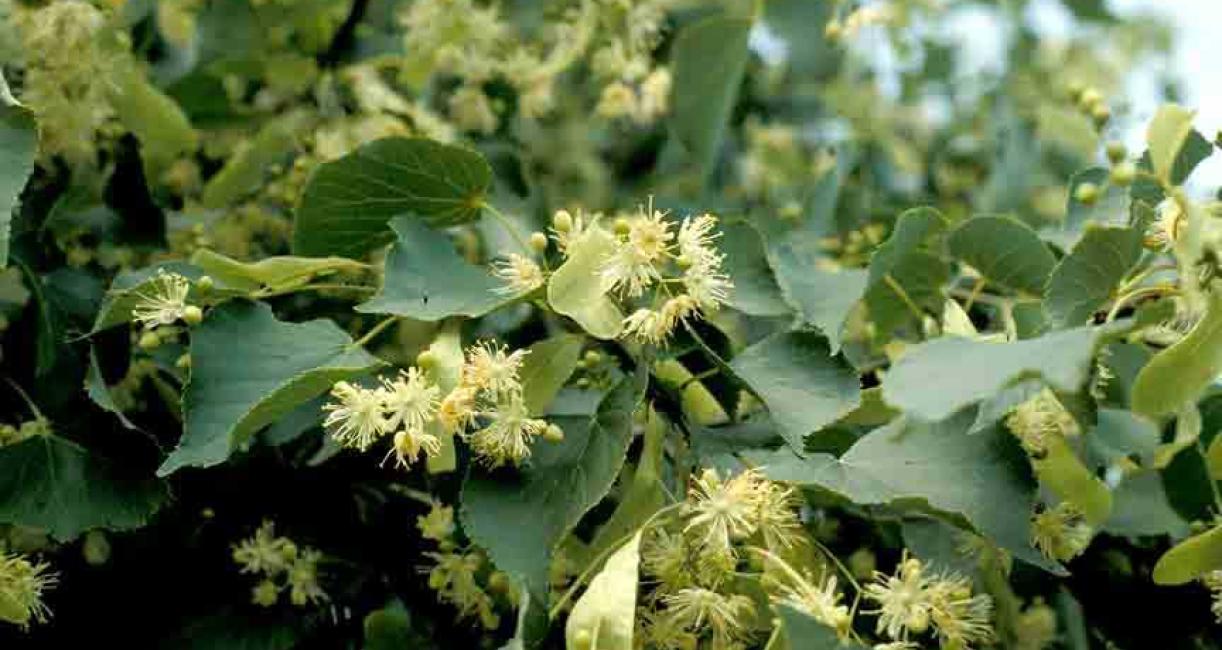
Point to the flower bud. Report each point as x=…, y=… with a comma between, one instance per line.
x=621, y=226
x=426, y=360
x=593, y=356
x=183, y=362
x=538, y=242
x=1100, y=113
x=149, y=340
x=204, y=283
x=1089, y=99
x=1086, y=193
x=833, y=30
x=582, y=640
x=95, y=548
x=562, y=221
x=1116, y=152
x=192, y=315
x=553, y=433
x=1123, y=174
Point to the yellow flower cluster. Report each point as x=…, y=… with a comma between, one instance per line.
x=914, y=601
x=11, y=435
x=1061, y=533
x=282, y=565
x=70, y=63
x=22, y=585
x=692, y=564
x=472, y=42
x=677, y=272
x=1034, y=421
x=487, y=409
x=456, y=573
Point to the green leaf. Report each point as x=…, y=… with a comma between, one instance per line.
x=916, y=229
x=983, y=477
x=234, y=631
x=1085, y=279
x=348, y=201
x=1190, y=559
x=273, y=273
x=606, y=611
x=546, y=497
x=246, y=169
x=645, y=494
x=911, y=289
x=18, y=145
x=823, y=298
x=804, y=387
x=804, y=632
x=575, y=289
x=1213, y=458
x=547, y=368
x=1063, y=474
x=157, y=121
x=1141, y=509
x=55, y=484
x=249, y=369
x=99, y=392
x=1005, y=251
x=426, y=279
x=1165, y=137
x=935, y=379
x=389, y=628
x=709, y=60
x=746, y=262
x=1118, y=433
x=1180, y=373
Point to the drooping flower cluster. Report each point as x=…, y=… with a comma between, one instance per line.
x=691, y=564
x=22, y=586
x=486, y=409
x=816, y=597
x=914, y=601
x=401, y=407
x=472, y=42
x=1213, y=580
x=1061, y=533
x=677, y=273
x=283, y=567
x=11, y=435
x=458, y=574
x=1038, y=419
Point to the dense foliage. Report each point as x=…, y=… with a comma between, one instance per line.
x=602, y=324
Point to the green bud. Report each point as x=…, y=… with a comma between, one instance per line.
x=1123, y=174
x=95, y=548
x=1101, y=114
x=183, y=362
x=553, y=433
x=426, y=360
x=621, y=226
x=538, y=242
x=192, y=315
x=583, y=383
x=1116, y=152
x=204, y=283
x=149, y=340
x=562, y=221
x=1086, y=193
x=833, y=30
x=1089, y=99
x=592, y=357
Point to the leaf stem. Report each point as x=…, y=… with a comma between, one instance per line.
x=26, y=398
x=1213, y=484
x=269, y=293
x=597, y=561
x=377, y=329
x=508, y=226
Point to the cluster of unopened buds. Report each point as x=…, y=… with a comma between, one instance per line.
x=461, y=576
x=487, y=409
